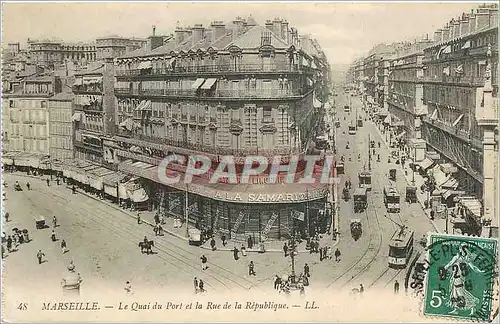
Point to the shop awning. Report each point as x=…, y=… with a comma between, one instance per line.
x=305, y=62
x=309, y=81
x=77, y=116
x=473, y=206
x=141, y=105
x=448, y=168
x=425, y=163
x=400, y=135
x=197, y=83
x=313, y=65
x=91, y=136
x=439, y=176
x=79, y=81
x=148, y=105
x=170, y=62
x=145, y=65
x=450, y=183
x=208, y=84
x=129, y=124
x=450, y=193
x=113, y=179
x=387, y=120
x=316, y=103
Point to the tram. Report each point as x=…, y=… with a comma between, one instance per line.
x=400, y=248
x=392, y=199
x=352, y=129
x=365, y=179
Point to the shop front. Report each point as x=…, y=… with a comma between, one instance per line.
x=242, y=214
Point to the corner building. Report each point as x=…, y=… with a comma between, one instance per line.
x=234, y=89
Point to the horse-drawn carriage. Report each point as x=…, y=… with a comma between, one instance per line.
x=345, y=194
x=146, y=246
x=356, y=229
x=17, y=187
x=40, y=222
x=360, y=200
x=372, y=144
x=194, y=236
x=411, y=194
x=340, y=168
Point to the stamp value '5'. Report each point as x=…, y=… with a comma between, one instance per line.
x=460, y=277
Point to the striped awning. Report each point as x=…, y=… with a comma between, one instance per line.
x=197, y=83
x=145, y=65
x=425, y=163
x=208, y=83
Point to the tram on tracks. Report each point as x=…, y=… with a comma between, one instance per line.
x=352, y=129
x=392, y=199
x=365, y=179
x=400, y=248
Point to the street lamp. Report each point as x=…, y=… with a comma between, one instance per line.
x=413, y=168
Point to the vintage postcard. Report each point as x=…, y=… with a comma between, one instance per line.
x=249, y=162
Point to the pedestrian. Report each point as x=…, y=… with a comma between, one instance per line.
x=155, y=229
x=432, y=214
x=235, y=253
x=212, y=243
x=48, y=182
x=139, y=218
x=53, y=236
x=201, y=285
x=54, y=221
x=63, y=246
x=277, y=282
x=306, y=270
x=302, y=290
x=203, y=262
x=250, y=242
x=157, y=219
x=3, y=251
x=195, y=281
x=73, y=189
x=337, y=255
x=39, y=256
x=9, y=243
x=58, y=181
x=223, y=238
x=285, y=249
x=251, y=270
x=7, y=215
x=128, y=288
x=396, y=287
x=28, y=186
x=361, y=288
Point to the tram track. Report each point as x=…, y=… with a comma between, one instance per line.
x=189, y=265
x=369, y=255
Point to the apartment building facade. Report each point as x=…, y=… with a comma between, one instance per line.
x=225, y=90
x=52, y=54
x=61, y=126
x=115, y=46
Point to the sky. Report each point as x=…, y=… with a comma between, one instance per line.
x=345, y=31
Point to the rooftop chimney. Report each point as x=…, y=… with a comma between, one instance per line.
x=239, y=27
x=482, y=18
x=464, y=25
x=154, y=30
x=219, y=29
x=446, y=33
x=154, y=41
x=284, y=31
x=438, y=35
x=456, y=28
x=179, y=36
x=472, y=21
x=269, y=25
x=198, y=33
x=277, y=26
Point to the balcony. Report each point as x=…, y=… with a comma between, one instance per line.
x=219, y=93
x=211, y=70
x=213, y=153
x=97, y=108
x=267, y=120
x=466, y=80
x=88, y=89
x=463, y=135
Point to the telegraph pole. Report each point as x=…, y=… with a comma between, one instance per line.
x=186, y=210
x=413, y=169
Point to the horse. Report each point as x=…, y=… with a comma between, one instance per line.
x=146, y=247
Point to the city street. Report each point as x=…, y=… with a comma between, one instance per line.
x=372, y=268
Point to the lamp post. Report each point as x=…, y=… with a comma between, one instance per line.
x=413, y=168
x=186, y=211
x=369, y=154
x=446, y=226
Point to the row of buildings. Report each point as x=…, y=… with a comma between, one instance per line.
x=440, y=95
x=234, y=88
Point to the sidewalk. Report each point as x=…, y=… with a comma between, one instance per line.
x=147, y=217
x=438, y=223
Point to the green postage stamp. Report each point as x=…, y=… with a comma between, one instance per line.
x=461, y=277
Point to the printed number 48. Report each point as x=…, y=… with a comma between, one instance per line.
x=436, y=299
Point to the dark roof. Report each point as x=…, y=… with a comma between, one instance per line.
x=138, y=52
x=252, y=39
x=91, y=71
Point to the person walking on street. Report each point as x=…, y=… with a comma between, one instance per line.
x=285, y=249
x=195, y=282
x=396, y=287
x=28, y=186
x=201, y=285
x=243, y=250
x=223, y=238
x=306, y=270
x=212, y=243
x=58, y=181
x=337, y=255
x=9, y=243
x=235, y=253
x=321, y=256
x=250, y=242
x=54, y=221
x=139, y=218
x=63, y=246
x=203, y=262
x=48, y=182
x=432, y=214
x=251, y=271
x=7, y=215
x=39, y=256
x=73, y=189
x=128, y=288
x=277, y=282
x=361, y=288
x=53, y=236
